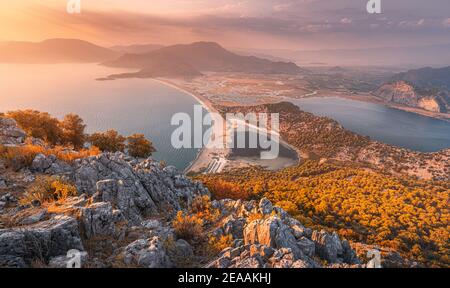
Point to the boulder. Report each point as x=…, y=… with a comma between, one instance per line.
x=265, y=207
x=97, y=220
x=328, y=246
x=42, y=240
x=32, y=219
x=234, y=227
x=147, y=253
x=41, y=163
x=10, y=133
x=272, y=232
x=307, y=246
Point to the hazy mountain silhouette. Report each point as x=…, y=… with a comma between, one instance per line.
x=55, y=51
x=136, y=48
x=205, y=56
x=426, y=77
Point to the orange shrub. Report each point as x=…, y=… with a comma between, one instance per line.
x=47, y=189
x=188, y=227
x=225, y=190
x=217, y=244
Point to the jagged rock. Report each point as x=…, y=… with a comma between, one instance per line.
x=181, y=253
x=8, y=261
x=97, y=220
x=32, y=219
x=42, y=163
x=234, y=227
x=8, y=199
x=328, y=246
x=307, y=246
x=151, y=224
x=10, y=133
x=348, y=254
x=265, y=207
x=43, y=240
x=63, y=260
x=301, y=264
x=261, y=250
x=251, y=262
x=138, y=189
x=147, y=253
x=3, y=184
x=271, y=232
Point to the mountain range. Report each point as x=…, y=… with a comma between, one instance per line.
x=55, y=51
x=205, y=56
x=150, y=60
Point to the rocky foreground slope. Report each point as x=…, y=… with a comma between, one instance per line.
x=123, y=216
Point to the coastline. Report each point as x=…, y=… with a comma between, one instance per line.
x=214, y=160
x=375, y=100
x=211, y=159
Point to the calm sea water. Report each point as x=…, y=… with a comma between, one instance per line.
x=382, y=123
x=128, y=105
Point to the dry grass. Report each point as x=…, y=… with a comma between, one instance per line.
x=188, y=227
x=19, y=157
x=218, y=244
x=202, y=209
x=48, y=189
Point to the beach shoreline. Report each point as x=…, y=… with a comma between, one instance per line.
x=214, y=160
x=209, y=160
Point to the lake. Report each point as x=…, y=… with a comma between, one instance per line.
x=381, y=123
x=128, y=106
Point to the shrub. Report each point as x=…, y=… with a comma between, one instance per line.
x=73, y=131
x=38, y=125
x=225, y=190
x=188, y=227
x=218, y=244
x=109, y=141
x=139, y=147
x=288, y=206
x=47, y=189
x=201, y=207
x=19, y=157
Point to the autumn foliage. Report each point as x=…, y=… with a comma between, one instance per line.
x=412, y=216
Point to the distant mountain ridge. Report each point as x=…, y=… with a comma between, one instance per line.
x=55, y=51
x=427, y=77
x=427, y=88
x=136, y=48
x=205, y=56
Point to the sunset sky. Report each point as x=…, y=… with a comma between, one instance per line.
x=282, y=24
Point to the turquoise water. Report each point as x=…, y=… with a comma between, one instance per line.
x=382, y=123
x=128, y=105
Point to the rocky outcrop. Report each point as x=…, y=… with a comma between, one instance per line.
x=405, y=93
x=137, y=188
x=43, y=240
x=278, y=241
x=10, y=133
x=147, y=253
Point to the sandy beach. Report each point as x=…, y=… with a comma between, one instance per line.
x=215, y=160
x=208, y=160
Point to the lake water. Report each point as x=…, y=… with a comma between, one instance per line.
x=128, y=106
x=382, y=123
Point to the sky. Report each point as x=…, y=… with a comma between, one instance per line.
x=262, y=24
